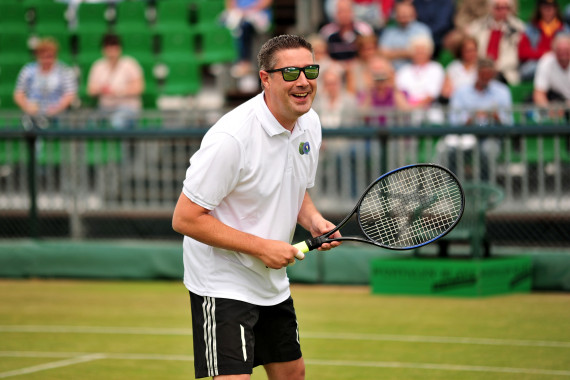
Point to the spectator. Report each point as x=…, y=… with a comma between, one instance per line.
x=552, y=79
x=486, y=102
x=537, y=38
x=47, y=87
x=395, y=39
x=375, y=13
x=498, y=34
x=341, y=34
x=357, y=72
x=381, y=99
x=335, y=106
x=118, y=81
x=245, y=19
x=470, y=10
x=422, y=79
x=438, y=16
x=321, y=55
x=463, y=70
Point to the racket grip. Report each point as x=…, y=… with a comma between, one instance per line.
x=302, y=246
x=310, y=244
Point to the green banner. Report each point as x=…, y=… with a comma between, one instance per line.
x=454, y=277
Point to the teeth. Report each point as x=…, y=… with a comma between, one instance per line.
x=301, y=95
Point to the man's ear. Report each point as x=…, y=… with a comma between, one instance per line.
x=264, y=76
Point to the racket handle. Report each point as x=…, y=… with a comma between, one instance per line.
x=310, y=244
x=302, y=246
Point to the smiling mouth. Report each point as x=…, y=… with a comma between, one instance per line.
x=302, y=95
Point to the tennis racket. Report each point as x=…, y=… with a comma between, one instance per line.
x=405, y=208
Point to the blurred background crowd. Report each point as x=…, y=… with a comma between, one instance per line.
x=474, y=58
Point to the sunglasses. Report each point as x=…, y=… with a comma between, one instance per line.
x=292, y=73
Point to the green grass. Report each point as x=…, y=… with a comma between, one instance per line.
x=141, y=330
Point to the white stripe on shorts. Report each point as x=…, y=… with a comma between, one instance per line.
x=209, y=310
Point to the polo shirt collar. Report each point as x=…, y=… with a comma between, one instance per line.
x=269, y=123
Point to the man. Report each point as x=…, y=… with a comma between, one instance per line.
x=342, y=34
x=498, y=35
x=552, y=79
x=486, y=102
x=395, y=40
x=244, y=193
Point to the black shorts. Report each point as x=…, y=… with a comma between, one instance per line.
x=232, y=337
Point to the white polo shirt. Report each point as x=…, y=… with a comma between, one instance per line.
x=252, y=173
x=551, y=76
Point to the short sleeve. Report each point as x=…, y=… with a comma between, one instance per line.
x=214, y=170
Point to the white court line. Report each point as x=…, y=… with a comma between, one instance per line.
x=52, y=365
x=306, y=335
x=84, y=357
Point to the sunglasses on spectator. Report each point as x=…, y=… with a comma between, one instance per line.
x=292, y=73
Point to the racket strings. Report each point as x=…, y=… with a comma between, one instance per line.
x=410, y=207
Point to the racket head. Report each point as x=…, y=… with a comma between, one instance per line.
x=411, y=206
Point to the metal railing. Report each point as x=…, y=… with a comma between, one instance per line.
x=80, y=169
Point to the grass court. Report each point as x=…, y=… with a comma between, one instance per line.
x=68, y=329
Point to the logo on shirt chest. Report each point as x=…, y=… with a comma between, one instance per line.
x=304, y=148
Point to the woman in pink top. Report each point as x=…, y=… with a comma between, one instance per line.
x=118, y=81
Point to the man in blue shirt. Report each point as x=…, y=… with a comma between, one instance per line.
x=486, y=102
x=395, y=40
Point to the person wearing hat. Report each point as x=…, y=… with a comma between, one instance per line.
x=545, y=23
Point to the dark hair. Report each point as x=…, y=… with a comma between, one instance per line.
x=535, y=18
x=111, y=40
x=458, y=51
x=266, y=58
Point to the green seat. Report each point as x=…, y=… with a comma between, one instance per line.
x=139, y=45
x=91, y=18
x=13, y=17
x=174, y=15
x=217, y=45
x=183, y=78
x=89, y=46
x=522, y=93
x=445, y=57
x=479, y=199
x=177, y=45
x=50, y=17
x=131, y=16
x=14, y=48
x=208, y=13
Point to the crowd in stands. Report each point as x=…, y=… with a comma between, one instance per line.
x=409, y=55
x=428, y=54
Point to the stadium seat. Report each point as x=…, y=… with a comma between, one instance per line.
x=89, y=46
x=208, y=13
x=522, y=93
x=13, y=17
x=216, y=45
x=177, y=45
x=138, y=44
x=131, y=17
x=173, y=15
x=14, y=48
x=183, y=78
x=49, y=17
x=91, y=18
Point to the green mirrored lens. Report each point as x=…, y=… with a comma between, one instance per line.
x=311, y=72
x=291, y=74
